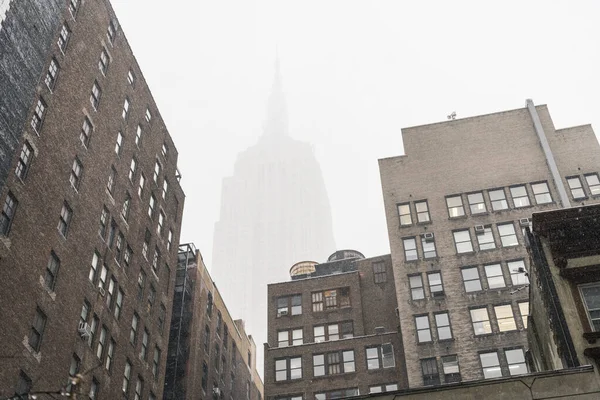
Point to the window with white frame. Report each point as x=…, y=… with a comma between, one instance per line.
x=471, y=279
x=481, y=321
x=63, y=38
x=508, y=236
x=455, y=206
x=593, y=184
x=336, y=331
x=442, y=323
x=125, y=110
x=436, y=288
x=462, y=241
x=404, y=214
x=289, y=337
x=423, y=328
x=541, y=193
x=76, y=171
x=24, y=160
x=64, y=220
x=86, y=132
x=516, y=362
x=498, y=199
x=524, y=310
x=103, y=62
x=591, y=298
x=576, y=188
x=519, y=196
x=52, y=74
x=410, y=249
x=380, y=356
x=518, y=273
x=95, y=95
x=494, y=276
x=416, y=287
x=505, y=318
x=111, y=32
x=422, y=209
x=288, y=369
x=476, y=203
x=428, y=244
x=38, y=115
x=490, y=364
x=485, y=238
x=119, y=143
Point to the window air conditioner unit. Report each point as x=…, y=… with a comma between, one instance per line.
x=428, y=236
x=524, y=222
x=216, y=391
x=479, y=229
x=85, y=330
x=101, y=291
x=379, y=330
x=282, y=312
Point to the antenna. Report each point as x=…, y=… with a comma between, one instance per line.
x=452, y=115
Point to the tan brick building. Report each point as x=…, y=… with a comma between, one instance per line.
x=456, y=205
x=91, y=211
x=210, y=355
x=333, y=330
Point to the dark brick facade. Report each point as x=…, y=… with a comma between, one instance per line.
x=39, y=331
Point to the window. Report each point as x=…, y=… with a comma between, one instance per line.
x=139, y=388
x=410, y=249
x=101, y=342
x=524, y=310
x=145, y=340
x=8, y=213
x=518, y=273
x=110, y=352
x=476, y=203
x=288, y=369
x=73, y=7
x=85, y=310
x=94, y=267
x=37, y=330
x=151, y=205
x=65, y=219
x=423, y=329
x=134, y=327
x=292, y=337
x=505, y=318
x=379, y=273
x=498, y=199
x=451, y=369
x=76, y=171
x=462, y=241
x=380, y=356
x=519, y=196
x=162, y=315
x=161, y=221
x=416, y=287
x=149, y=117
x=404, y=213
x=334, y=331
x=110, y=185
x=38, y=115
x=485, y=239
x=126, y=377
x=119, y=247
x=442, y=322
x=86, y=132
x=103, y=62
x=24, y=160
x=422, y=211
x=508, y=236
x=428, y=244
x=289, y=398
x=330, y=299
x=95, y=95
x=576, y=188
x=206, y=338
x=125, y=110
x=436, y=287
x=52, y=74
x=126, y=207
x=52, y=271
x=209, y=304
x=165, y=188
x=119, y=303
x=131, y=77
x=494, y=276
x=593, y=184
x=164, y=150
x=119, y=143
x=127, y=256
x=541, y=193
x=132, y=169
x=337, y=394
x=388, y=387
x=156, y=259
x=111, y=32
x=455, y=206
x=155, y=362
x=430, y=372
x=289, y=303
x=170, y=239
x=516, y=362
x=157, y=171
x=73, y=370
x=591, y=299
x=481, y=321
x=333, y=363
x=24, y=384
x=103, y=223
x=490, y=364
x=141, y=185
x=93, y=329
x=471, y=280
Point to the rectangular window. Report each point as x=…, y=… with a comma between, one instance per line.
x=541, y=192
x=73, y=7
x=423, y=329
x=576, y=188
x=165, y=189
x=442, y=322
x=379, y=273
x=119, y=303
x=404, y=213
x=63, y=38
x=593, y=184
x=126, y=378
x=95, y=95
x=170, y=239
x=110, y=184
x=494, y=276
x=94, y=389
x=289, y=305
x=155, y=362
x=132, y=169
x=52, y=74
x=292, y=337
x=518, y=273
x=591, y=298
x=330, y=299
x=103, y=223
x=93, y=329
x=134, y=327
x=156, y=260
x=485, y=238
x=462, y=241
x=151, y=206
x=24, y=384
x=37, y=330
x=119, y=143
x=94, y=267
x=288, y=369
x=508, y=236
x=451, y=369
x=455, y=206
x=422, y=211
x=111, y=32
x=141, y=185
x=66, y=214
x=428, y=243
x=436, y=288
x=24, y=161
x=52, y=271
x=490, y=365
x=103, y=62
x=38, y=115
x=149, y=118
x=481, y=321
x=430, y=372
x=101, y=342
x=161, y=221
x=76, y=171
x=336, y=394
x=476, y=203
x=164, y=150
x=333, y=363
x=145, y=340
x=139, y=388
x=387, y=387
x=86, y=132
x=519, y=196
x=505, y=318
x=498, y=199
x=516, y=362
x=416, y=287
x=162, y=315
x=131, y=77
x=157, y=171
x=380, y=356
x=110, y=352
x=8, y=213
x=410, y=249
x=125, y=110
x=471, y=279
x=524, y=310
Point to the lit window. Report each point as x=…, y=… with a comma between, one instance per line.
x=111, y=32
x=119, y=144
x=38, y=115
x=65, y=219
x=505, y=318
x=52, y=74
x=541, y=192
x=410, y=249
x=451, y=369
x=138, y=135
x=518, y=273
x=435, y=284
x=416, y=287
x=148, y=115
x=471, y=279
x=125, y=110
x=498, y=199
x=524, y=310
x=86, y=132
x=462, y=240
x=76, y=171
x=132, y=169
x=24, y=160
x=63, y=38
x=8, y=213
x=103, y=62
x=455, y=206
x=481, y=321
x=485, y=238
x=422, y=211
x=591, y=298
x=428, y=244
x=476, y=203
x=37, y=330
x=380, y=356
x=126, y=378
x=95, y=95
x=429, y=368
x=494, y=276
x=379, y=273
x=508, y=236
x=110, y=185
x=141, y=185
x=423, y=329
x=490, y=365
x=52, y=271
x=519, y=196
x=593, y=184
x=576, y=188
x=516, y=362
x=288, y=369
x=404, y=212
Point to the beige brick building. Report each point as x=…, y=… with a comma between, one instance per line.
x=456, y=205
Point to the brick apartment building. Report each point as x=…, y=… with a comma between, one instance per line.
x=456, y=205
x=91, y=207
x=333, y=330
x=210, y=355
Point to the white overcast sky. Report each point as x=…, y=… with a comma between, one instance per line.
x=354, y=73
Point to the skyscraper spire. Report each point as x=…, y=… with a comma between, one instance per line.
x=276, y=123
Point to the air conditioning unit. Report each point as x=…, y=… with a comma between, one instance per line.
x=479, y=229
x=85, y=330
x=282, y=312
x=524, y=222
x=101, y=291
x=379, y=330
x=428, y=236
x=216, y=391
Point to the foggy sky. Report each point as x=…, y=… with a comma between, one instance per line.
x=354, y=73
